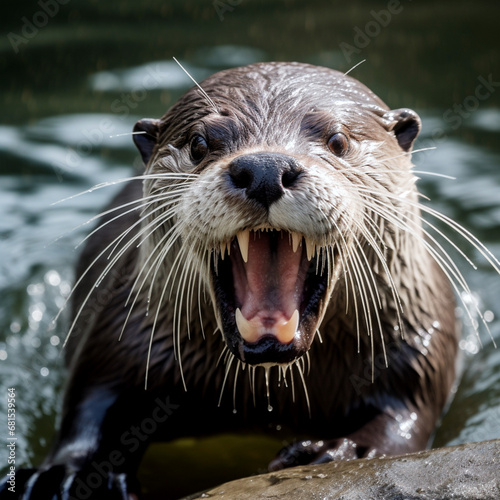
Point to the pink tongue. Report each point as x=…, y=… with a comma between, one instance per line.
x=268, y=287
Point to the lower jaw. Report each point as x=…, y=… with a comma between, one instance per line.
x=267, y=356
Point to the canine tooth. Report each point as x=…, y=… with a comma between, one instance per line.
x=296, y=239
x=250, y=332
x=286, y=331
x=243, y=241
x=246, y=329
x=223, y=247
x=310, y=249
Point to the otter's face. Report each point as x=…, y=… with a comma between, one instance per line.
x=272, y=208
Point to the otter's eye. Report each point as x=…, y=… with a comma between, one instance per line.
x=338, y=144
x=198, y=148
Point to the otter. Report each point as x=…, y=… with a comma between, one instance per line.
x=269, y=271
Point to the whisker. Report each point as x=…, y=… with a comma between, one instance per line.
x=207, y=97
x=167, y=176
x=355, y=66
x=299, y=369
x=101, y=277
x=443, y=259
x=228, y=368
x=238, y=364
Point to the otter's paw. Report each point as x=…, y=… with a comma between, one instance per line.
x=56, y=482
x=318, y=452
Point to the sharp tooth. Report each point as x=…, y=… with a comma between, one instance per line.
x=310, y=248
x=286, y=331
x=251, y=332
x=243, y=241
x=296, y=239
x=225, y=247
x=247, y=330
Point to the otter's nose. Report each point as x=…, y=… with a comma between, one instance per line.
x=264, y=176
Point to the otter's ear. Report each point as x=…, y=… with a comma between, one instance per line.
x=406, y=125
x=145, y=137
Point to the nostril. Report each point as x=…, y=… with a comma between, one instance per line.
x=263, y=176
x=289, y=178
x=242, y=178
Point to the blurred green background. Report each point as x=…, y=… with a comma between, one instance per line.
x=73, y=73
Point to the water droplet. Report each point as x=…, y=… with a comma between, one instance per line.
x=15, y=327
x=235, y=410
x=269, y=407
x=37, y=315
x=469, y=345
x=488, y=316
x=65, y=288
x=44, y=371
x=436, y=324
x=54, y=340
x=52, y=278
x=3, y=355
x=35, y=289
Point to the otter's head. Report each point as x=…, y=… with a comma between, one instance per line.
x=271, y=191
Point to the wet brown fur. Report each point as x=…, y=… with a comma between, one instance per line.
x=352, y=394
x=418, y=376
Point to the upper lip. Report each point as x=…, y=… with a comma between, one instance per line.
x=243, y=240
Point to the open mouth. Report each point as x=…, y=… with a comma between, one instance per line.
x=270, y=287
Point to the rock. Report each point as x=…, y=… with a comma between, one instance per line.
x=470, y=471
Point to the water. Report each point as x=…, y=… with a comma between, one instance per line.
x=84, y=74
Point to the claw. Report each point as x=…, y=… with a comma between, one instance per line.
x=317, y=452
x=44, y=483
